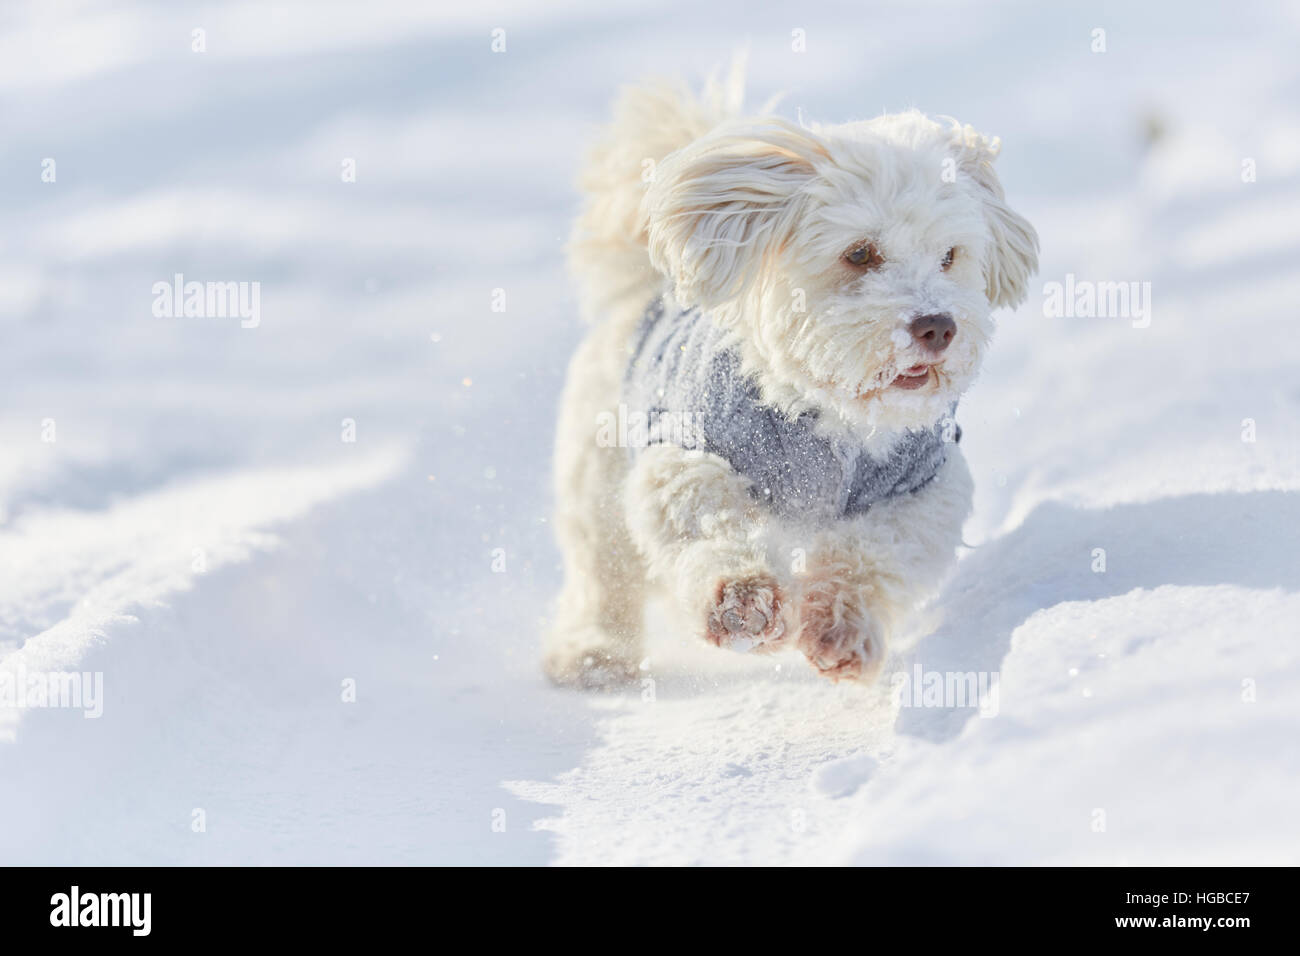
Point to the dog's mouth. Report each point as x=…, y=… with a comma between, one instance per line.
x=914, y=377
x=910, y=379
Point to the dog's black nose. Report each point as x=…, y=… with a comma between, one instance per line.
x=933, y=332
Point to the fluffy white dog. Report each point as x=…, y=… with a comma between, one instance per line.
x=759, y=424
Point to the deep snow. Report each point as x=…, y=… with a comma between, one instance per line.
x=199, y=533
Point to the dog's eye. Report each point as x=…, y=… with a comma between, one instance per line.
x=948, y=258
x=864, y=256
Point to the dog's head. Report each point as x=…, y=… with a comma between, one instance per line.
x=858, y=264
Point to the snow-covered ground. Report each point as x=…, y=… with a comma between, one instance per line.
x=181, y=514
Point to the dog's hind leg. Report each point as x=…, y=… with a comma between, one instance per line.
x=595, y=639
x=704, y=537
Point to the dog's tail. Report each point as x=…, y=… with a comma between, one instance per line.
x=608, y=247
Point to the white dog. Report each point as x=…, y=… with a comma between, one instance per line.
x=760, y=422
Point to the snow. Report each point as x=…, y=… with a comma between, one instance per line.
x=200, y=533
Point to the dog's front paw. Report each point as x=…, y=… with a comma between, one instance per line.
x=839, y=636
x=746, y=614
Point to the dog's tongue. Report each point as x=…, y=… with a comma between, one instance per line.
x=914, y=377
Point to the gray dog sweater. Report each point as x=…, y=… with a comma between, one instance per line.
x=688, y=384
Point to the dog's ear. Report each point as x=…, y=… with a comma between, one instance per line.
x=719, y=208
x=1013, y=256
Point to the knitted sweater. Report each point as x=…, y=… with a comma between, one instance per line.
x=688, y=384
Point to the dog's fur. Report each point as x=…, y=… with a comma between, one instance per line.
x=748, y=218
